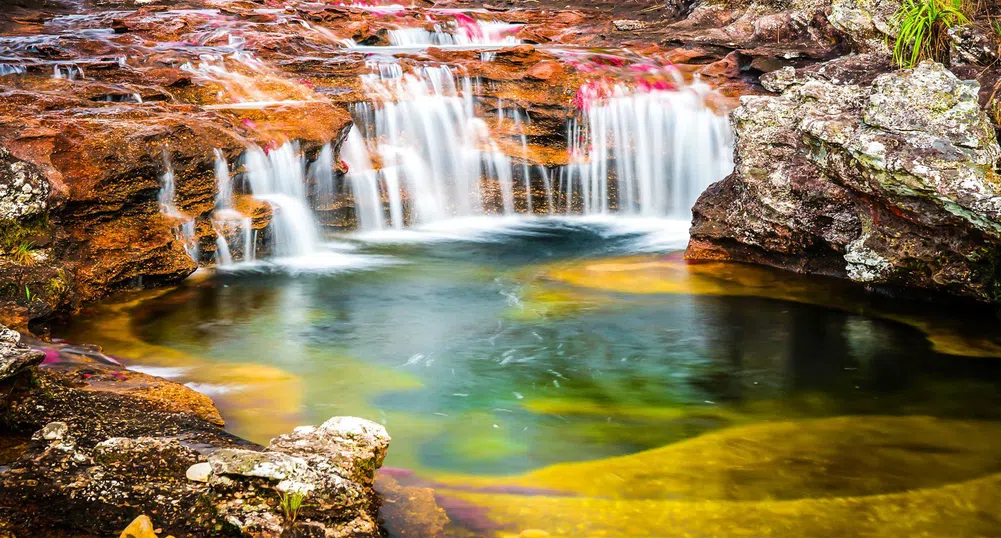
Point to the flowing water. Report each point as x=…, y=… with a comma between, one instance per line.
x=529, y=333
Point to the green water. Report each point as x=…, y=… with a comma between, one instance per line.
x=452, y=349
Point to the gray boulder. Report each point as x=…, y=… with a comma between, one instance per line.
x=892, y=183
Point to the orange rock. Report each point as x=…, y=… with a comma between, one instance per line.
x=545, y=70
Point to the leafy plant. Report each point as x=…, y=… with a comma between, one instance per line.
x=291, y=503
x=28, y=295
x=21, y=253
x=923, y=30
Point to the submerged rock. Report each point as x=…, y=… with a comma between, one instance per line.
x=892, y=183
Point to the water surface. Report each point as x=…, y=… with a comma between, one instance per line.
x=486, y=356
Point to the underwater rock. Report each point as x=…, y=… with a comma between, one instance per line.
x=108, y=452
x=892, y=183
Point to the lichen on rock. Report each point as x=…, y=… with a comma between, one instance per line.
x=898, y=182
x=106, y=452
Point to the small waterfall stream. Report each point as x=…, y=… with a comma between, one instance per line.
x=434, y=152
x=425, y=149
x=658, y=149
x=186, y=230
x=647, y=153
x=279, y=178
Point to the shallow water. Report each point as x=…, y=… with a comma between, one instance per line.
x=499, y=351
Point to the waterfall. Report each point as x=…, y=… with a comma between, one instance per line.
x=424, y=132
x=465, y=32
x=279, y=178
x=663, y=147
x=186, y=230
x=12, y=69
x=224, y=183
x=322, y=173
x=226, y=220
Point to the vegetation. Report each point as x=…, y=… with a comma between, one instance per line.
x=924, y=26
x=21, y=253
x=291, y=503
x=28, y=295
x=16, y=239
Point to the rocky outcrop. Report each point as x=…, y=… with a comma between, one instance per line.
x=110, y=444
x=892, y=183
x=14, y=356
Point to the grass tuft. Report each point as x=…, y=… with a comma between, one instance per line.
x=923, y=30
x=21, y=253
x=291, y=503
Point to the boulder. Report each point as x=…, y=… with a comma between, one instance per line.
x=867, y=25
x=892, y=183
x=172, y=462
x=24, y=191
x=14, y=356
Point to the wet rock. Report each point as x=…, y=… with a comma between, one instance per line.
x=892, y=184
x=626, y=25
x=141, y=527
x=199, y=472
x=15, y=357
x=24, y=191
x=54, y=431
x=972, y=45
x=410, y=511
x=114, y=453
x=356, y=447
x=271, y=465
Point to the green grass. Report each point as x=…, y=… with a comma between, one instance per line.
x=21, y=253
x=923, y=27
x=291, y=503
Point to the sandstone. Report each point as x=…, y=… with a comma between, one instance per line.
x=114, y=453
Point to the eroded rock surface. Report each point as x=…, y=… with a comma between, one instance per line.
x=110, y=445
x=890, y=184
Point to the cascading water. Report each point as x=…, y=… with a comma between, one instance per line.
x=186, y=230
x=322, y=173
x=279, y=178
x=467, y=32
x=10, y=69
x=434, y=151
x=226, y=220
x=664, y=148
x=647, y=153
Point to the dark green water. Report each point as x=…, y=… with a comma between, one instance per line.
x=458, y=351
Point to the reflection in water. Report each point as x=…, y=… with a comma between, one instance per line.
x=510, y=357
